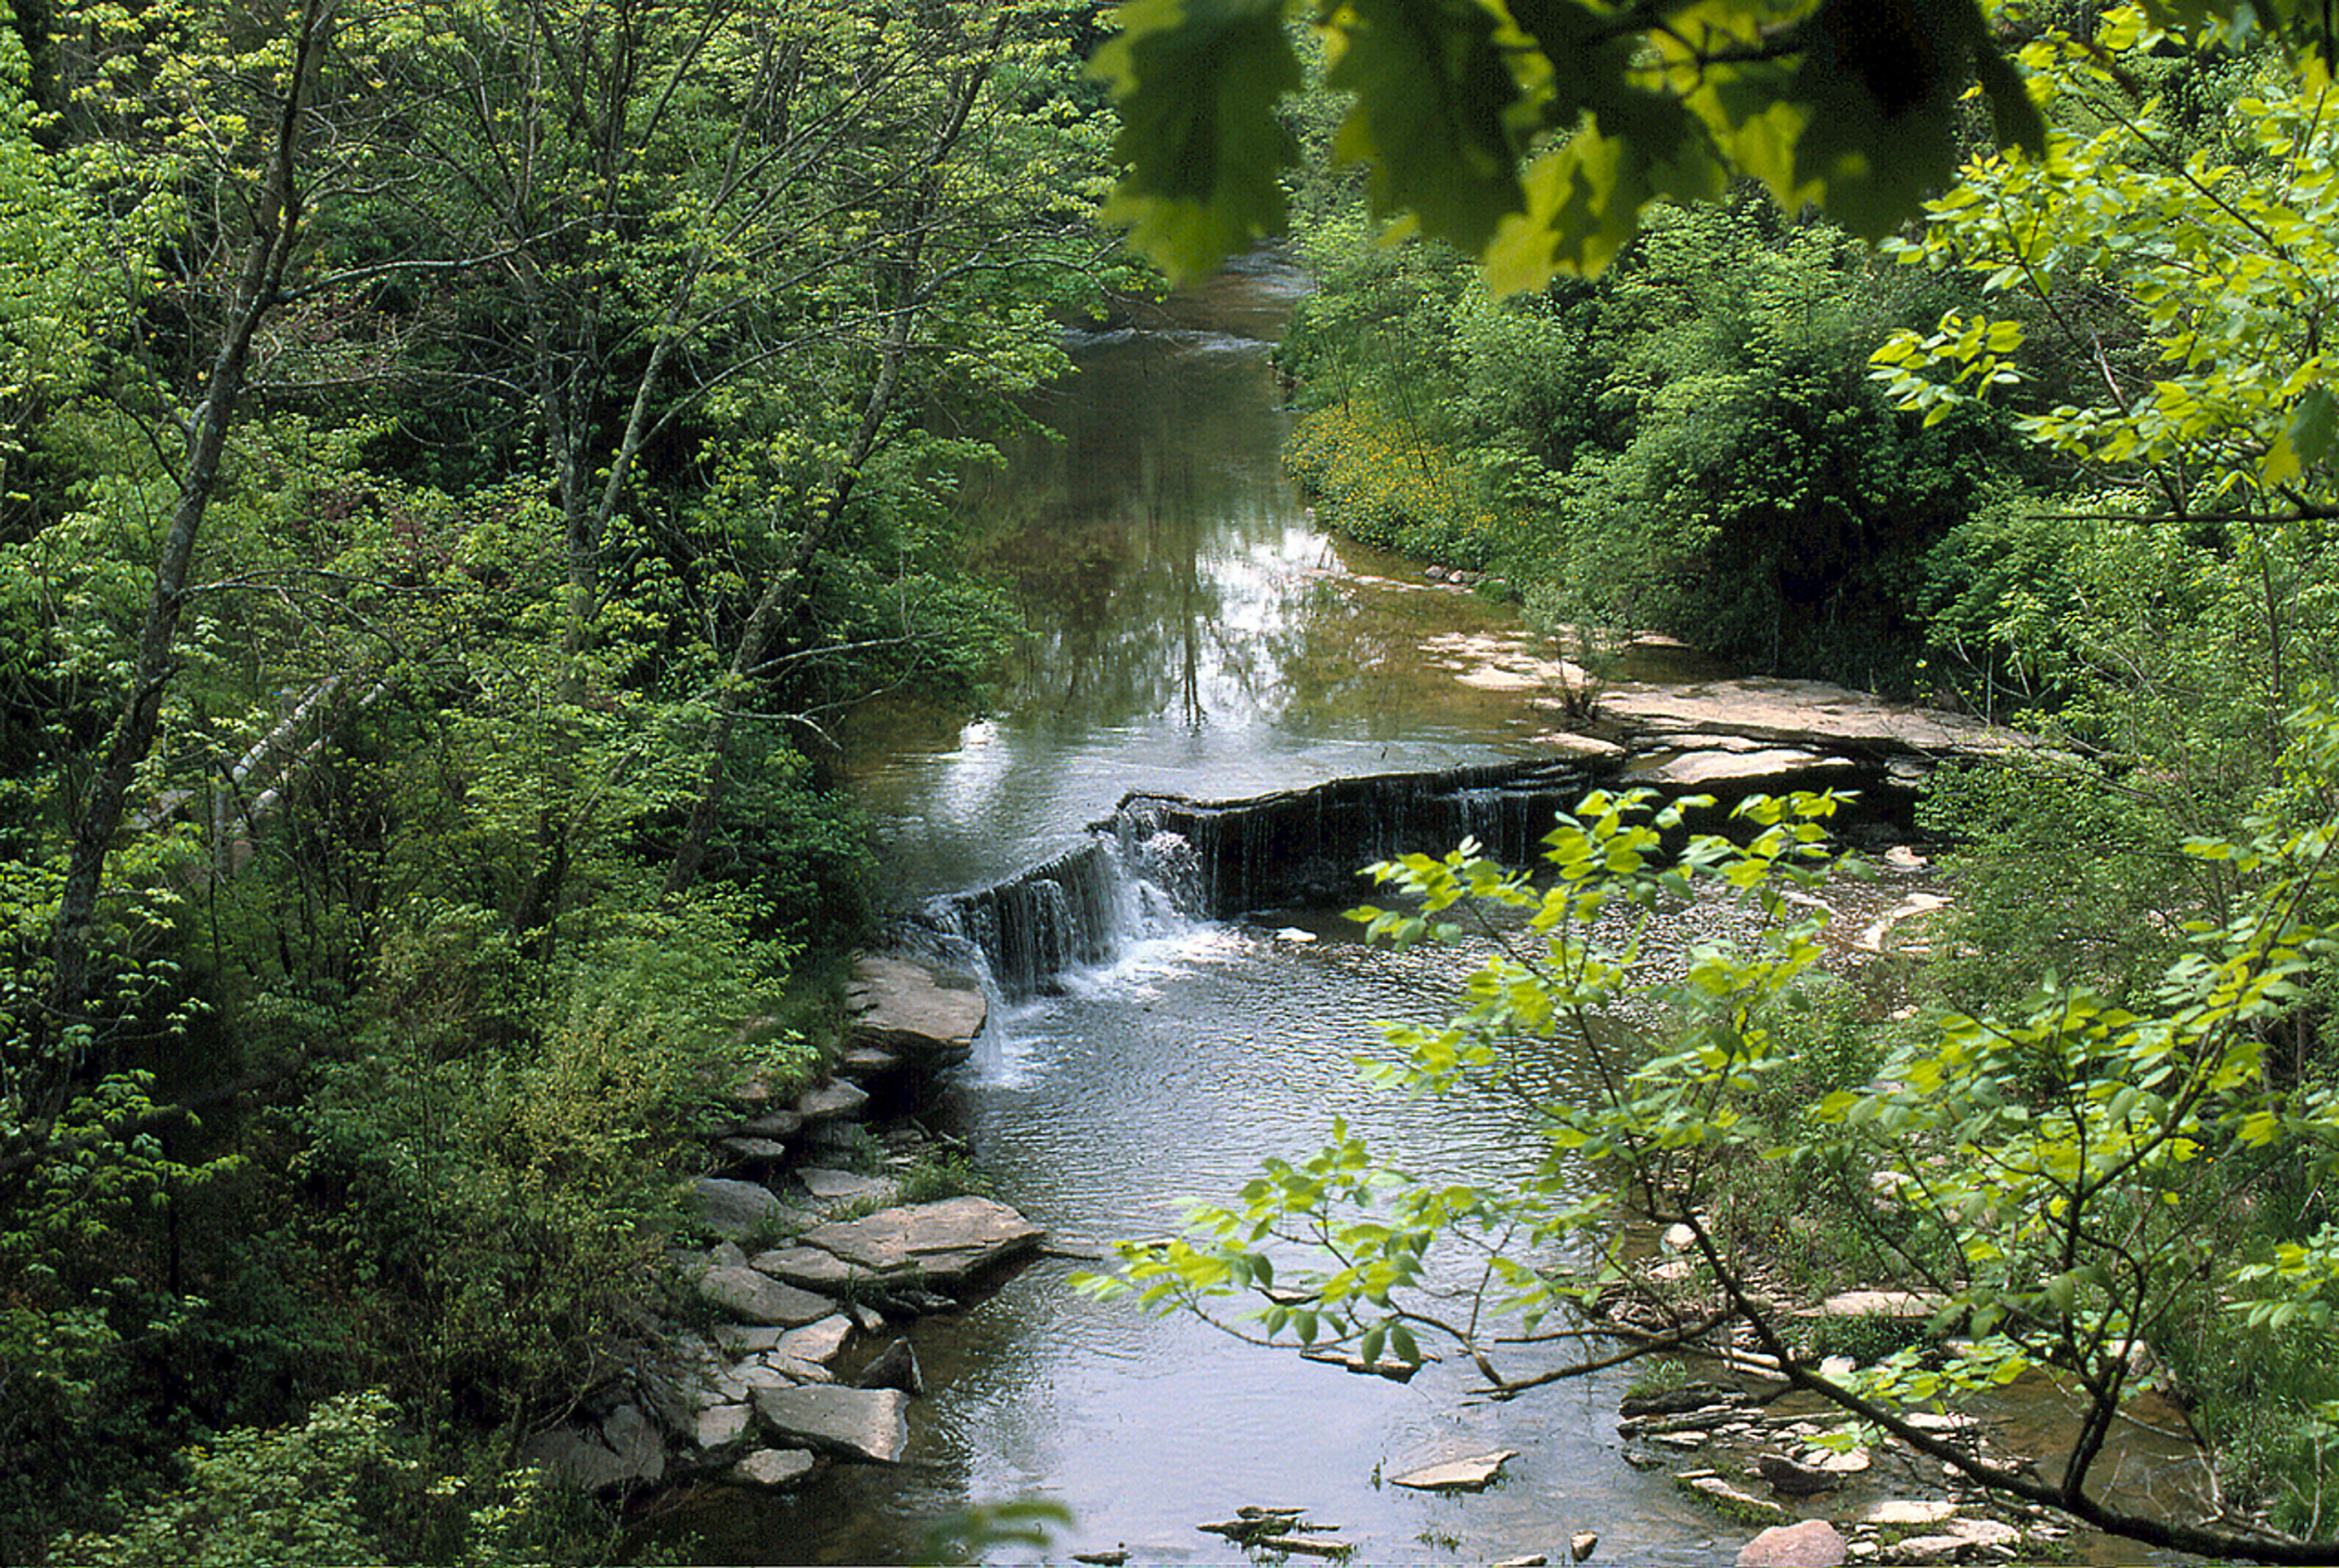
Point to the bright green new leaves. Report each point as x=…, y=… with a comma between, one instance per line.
x=2228, y=253
x=1340, y=1248
x=2052, y=1180
x=1532, y=133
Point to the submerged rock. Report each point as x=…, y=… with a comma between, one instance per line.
x=770, y=1467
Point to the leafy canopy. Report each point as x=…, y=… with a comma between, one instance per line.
x=1532, y=133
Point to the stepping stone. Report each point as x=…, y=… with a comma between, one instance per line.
x=868, y=1424
x=816, y=1342
x=734, y=1210
x=839, y=1189
x=721, y=1426
x=811, y=1268
x=752, y=1150
x=771, y=1124
x=754, y=1296
x=1473, y=1474
x=929, y=1242
x=830, y=1101
x=770, y=1467
x=1812, y=1544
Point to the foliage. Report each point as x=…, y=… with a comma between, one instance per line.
x=344, y=1485
x=1535, y=136
x=585, y=330
x=1682, y=444
x=2063, y=1172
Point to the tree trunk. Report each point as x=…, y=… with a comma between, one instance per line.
x=275, y=231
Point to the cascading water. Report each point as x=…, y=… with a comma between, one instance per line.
x=1162, y=861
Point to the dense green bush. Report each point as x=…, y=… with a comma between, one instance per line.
x=1690, y=443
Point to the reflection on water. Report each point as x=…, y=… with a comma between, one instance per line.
x=1189, y=628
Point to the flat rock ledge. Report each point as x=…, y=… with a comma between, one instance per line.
x=1475, y=1474
x=913, y=1011
x=927, y=1244
x=869, y=1424
x=1812, y=715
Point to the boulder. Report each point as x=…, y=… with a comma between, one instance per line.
x=721, y=1426
x=1473, y=1474
x=754, y=1296
x=867, y=1424
x=637, y=1441
x=913, y=1011
x=1812, y=1544
x=734, y=1210
x=575, y=1457
x=1793, y=1478
x=770, y=1467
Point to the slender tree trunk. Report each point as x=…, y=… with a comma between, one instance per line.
x=275, y=231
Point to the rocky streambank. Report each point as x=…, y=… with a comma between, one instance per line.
x=815, y=1268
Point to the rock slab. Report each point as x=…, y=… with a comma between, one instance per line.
x=867, y=1424
x=756, y=1297
x=912, y=1010
x=940, y=1242
x=1473, y=1474
x=1813, y=1544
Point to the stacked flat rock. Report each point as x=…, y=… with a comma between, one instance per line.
x=913, y=1012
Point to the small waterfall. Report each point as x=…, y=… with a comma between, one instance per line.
x=1075, y=911
x=1308, y=847
x=1160, y=861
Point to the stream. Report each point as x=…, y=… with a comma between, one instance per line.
x=1191, y=631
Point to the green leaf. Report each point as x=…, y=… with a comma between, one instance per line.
x=1433, y=100
x=1197, y=83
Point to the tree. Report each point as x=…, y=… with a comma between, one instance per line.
x=1532, y=135
x=2059, y=1178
